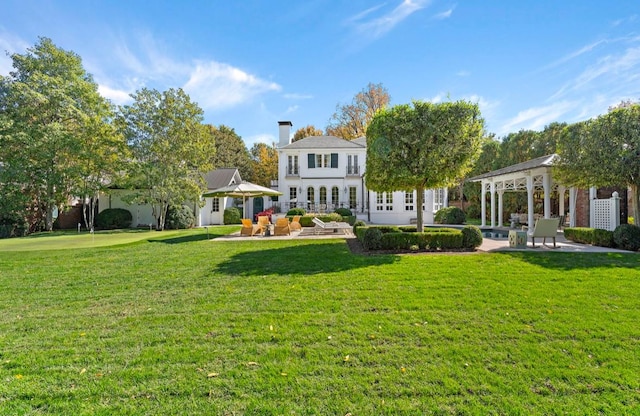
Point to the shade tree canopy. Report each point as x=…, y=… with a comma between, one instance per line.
x=421, y=146
x=350, y=121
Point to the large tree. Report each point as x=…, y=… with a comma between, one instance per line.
x=350, y=121
x=603, y=152
x=422, y=146
x=170, y=149
x=231, y=151
x=306, y=131
x=54, y=131
x=265, y=164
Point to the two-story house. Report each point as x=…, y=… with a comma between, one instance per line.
x=322, y=173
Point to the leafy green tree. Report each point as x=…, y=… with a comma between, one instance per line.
x=265, y=164
x=231, y=151
x=422, y=146
x=53, y=128
x=350, y=121
x=170, y=149
x=603, y=152
x=306, y=131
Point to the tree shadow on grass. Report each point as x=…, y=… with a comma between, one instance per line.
x=575, y=261
x=304, y=259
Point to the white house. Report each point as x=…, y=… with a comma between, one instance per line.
x=322, y=173
x=211, y=213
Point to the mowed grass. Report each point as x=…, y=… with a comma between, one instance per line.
x=182, y=325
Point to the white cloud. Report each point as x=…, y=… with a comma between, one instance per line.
x=267, y=139
x=217, y=85
x=292, y=109
x=444, y=15
x=536, y=118
x=10, y=44
x=463, y=73
x=118, y=97
x=295, y=96
x=378, y=26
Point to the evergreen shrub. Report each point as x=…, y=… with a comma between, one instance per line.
x=232, y=215
x=450, y=215
x=180, y=217
x=296, y=211
x=114, y=218
x=627, y=237
x=471, y=237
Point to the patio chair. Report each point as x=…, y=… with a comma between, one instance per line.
x=295, y=223
x=249, y=229
x=545, y=227
x=334, y=226
x=282, y=227
x=263, y=222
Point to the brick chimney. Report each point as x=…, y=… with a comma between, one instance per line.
x=285, y=133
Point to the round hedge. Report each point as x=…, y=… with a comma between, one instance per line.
x=180, y=217
x=232, y=215
x=114, y=218
x=471, y=237
x=450, y=215
x=345, y=212
x=296, y=211
x=372, y=239
x=627, y=237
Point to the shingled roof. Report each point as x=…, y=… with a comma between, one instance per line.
x=539, y=162
x=324, y=142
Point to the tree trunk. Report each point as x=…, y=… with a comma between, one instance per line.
x=420, y=203
x=636, y=203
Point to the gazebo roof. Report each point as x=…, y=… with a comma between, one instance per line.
x=539, y=162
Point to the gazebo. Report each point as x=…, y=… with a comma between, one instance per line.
x=530, y=176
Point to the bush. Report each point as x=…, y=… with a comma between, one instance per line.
x=627, y=237
x=372, y=239
x=296, y=211
x=113, y=218
x=344, y=212
x=408, y=228
x=473, y=211
x=12, y=225
x=581, y=235
x=450, y=215
x=232, y=215
x=471, y=237
x=180, y=217
x=603, y=238
x=357, y=224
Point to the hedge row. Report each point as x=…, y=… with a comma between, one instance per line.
x=392, y=238
x=625, y=236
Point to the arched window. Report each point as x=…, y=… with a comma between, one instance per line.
x=311, y=197
x=323, y=195
x=335, y=196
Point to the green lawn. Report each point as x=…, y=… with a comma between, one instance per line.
x=176, y=324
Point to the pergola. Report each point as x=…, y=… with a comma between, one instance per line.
x=530, y=176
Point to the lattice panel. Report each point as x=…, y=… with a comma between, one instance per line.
x=601, y=213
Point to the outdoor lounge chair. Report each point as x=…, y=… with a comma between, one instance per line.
x=282, y=227
x=249, y=229
x=295, y=223
x=263, y=222
x=545, y=227
x=335, y=226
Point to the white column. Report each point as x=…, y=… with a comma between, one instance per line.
x=493, y=204
x=614, y=220
x=483, y=204
x=593, y=194
x=530, y=201
x=445, y=197
x=546, y=186
x=573, y=196
x=561, y=191
x=500, y=210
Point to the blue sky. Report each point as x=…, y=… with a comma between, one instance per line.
x=250, y=64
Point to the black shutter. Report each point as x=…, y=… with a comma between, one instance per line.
x=311, y=158
x=334, y=160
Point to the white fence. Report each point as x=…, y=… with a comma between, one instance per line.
x=605, y=213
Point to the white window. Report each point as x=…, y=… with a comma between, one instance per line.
x=438, y=199
x=408, y=201
x=215, y=205
x=384, y=201
x=335, y=196
x=352, y=165
x=292, y=167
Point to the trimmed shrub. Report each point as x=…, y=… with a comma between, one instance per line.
x=471, y=237
x=232, y=215
x=408, y=228
x=603, y=238
x=344, y=212
x=296, y=211
x=357, y=224
x=372, y=239
x=385, y=229
x=582, y=235
x=450, y=215
x=179, y=217
x=627, y=237
x=114, y=218
x=351, y=219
